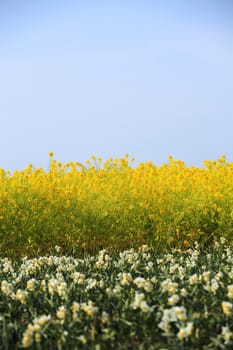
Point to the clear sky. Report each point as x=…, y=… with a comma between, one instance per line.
x=105, y=78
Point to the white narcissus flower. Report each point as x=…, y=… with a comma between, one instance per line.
x=173, y=299
x=61, y=312
x=227, y=308
x=226, y=334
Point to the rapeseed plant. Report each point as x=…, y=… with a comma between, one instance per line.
x=82, y=208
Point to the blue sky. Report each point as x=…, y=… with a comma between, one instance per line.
x=148, y=78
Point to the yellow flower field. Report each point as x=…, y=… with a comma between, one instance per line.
x=114, y=204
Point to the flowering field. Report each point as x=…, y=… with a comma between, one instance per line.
x=108, y=255
x=112, y=204
x=135, y=299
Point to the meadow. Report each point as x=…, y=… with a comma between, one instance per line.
x=109, y=255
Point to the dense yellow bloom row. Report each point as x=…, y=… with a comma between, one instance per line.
x=113, y=203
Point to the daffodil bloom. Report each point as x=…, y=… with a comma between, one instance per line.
x=226, y=334
x=185, y=332
x=61, y=312
x=227, y=308
x=173, y=299
x=21, y=296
